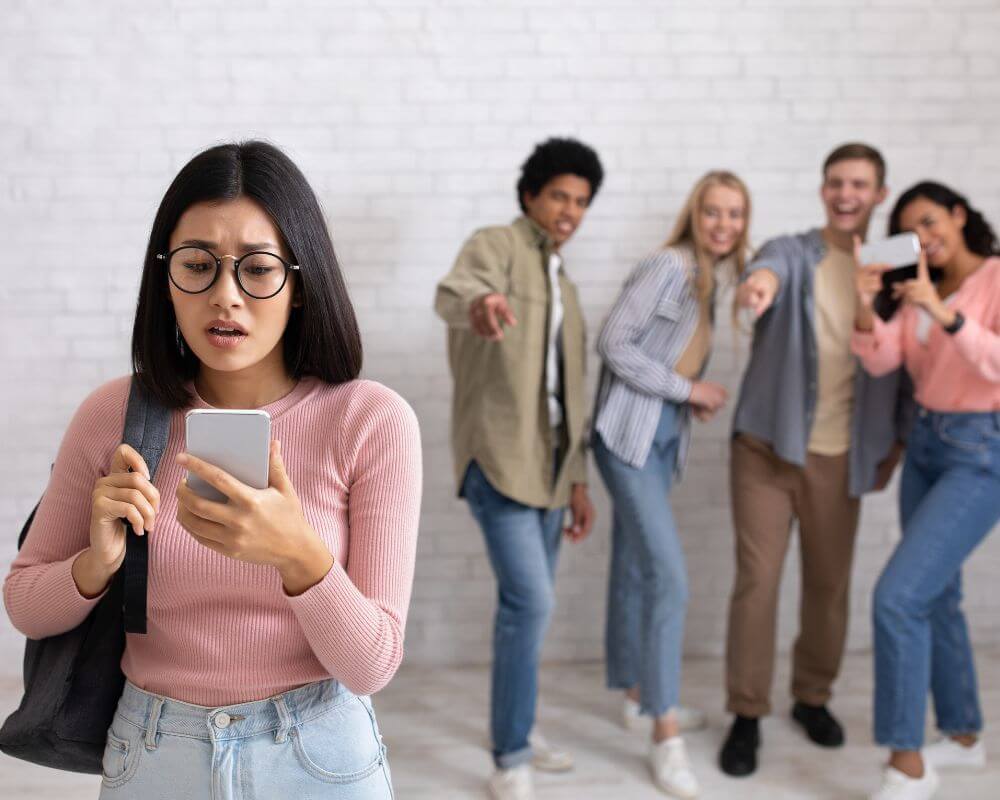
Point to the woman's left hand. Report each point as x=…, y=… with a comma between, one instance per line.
x=260, y=526
x=921, y=292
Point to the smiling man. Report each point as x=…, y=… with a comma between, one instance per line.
x=812, y=432
x=516, y=347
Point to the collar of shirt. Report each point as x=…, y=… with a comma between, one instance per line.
x=535, y=234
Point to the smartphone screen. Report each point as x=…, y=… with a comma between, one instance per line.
x=235, y=441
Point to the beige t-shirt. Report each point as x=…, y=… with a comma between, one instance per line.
x=690, y=364
x=835, y=300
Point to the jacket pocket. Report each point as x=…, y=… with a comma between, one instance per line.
x=668, y=309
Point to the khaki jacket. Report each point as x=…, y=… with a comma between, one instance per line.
x=499, y=407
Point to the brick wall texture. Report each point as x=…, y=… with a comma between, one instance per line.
x=410, y=118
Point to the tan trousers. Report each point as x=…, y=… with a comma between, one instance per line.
x=767, y=495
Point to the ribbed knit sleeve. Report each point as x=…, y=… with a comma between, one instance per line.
x=39, y=592
x=354, y=618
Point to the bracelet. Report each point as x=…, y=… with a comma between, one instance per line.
x=955, y=326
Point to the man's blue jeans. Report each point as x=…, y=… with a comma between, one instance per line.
x=648, y=586
x=949, y=501
x=523, y=544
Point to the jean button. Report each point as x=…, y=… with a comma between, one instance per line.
x=221, y=720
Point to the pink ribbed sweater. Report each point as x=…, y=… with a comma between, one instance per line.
x=222, y=631
x=959, y=372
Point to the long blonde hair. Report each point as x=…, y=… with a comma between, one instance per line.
x=685, y=230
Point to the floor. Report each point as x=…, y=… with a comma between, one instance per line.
x=434, y=724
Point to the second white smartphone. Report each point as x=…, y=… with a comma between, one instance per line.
x=235, y=441
x=900, y=250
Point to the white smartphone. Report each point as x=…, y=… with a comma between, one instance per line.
x=236, y=441
x=900, y=250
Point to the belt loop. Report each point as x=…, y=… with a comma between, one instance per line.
x=154, y=720
x=284, y=720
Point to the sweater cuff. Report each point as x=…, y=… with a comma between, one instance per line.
x=57, y=605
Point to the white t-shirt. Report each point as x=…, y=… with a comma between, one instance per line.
x=925, y=320
x=553, y=376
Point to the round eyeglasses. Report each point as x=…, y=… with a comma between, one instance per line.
x=194, y=269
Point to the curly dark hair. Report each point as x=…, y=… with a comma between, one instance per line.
x=555, y=157
x=978, y=233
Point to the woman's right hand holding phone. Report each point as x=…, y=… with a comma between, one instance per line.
x=125, y=493
x=867, y=284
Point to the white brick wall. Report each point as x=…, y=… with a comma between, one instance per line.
x=411, y=117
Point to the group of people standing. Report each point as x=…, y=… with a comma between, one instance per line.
x=272, y=617
x=832, y=397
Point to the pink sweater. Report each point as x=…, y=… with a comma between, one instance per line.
x=959, y=372
x=222, y=631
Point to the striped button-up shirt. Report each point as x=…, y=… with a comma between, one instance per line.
x=647, y=330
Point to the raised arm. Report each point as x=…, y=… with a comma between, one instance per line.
x=481, y=269
x=43, y=590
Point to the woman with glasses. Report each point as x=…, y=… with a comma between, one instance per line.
x=947, y=336
x=654, y=346
x=273, y=616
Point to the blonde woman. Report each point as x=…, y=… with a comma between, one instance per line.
x=654, y=347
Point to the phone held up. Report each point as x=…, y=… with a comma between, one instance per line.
x=236, y=441
x=901, y=253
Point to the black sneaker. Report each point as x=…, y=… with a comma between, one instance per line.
x=819, y=725
x=738, y=756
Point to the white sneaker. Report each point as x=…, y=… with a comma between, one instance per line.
x=688, y=719
x=946, y=753
x=515, y=783
x=546, y=757
x=668, y=761
x=897, y=786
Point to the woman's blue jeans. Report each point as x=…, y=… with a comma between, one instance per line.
x=949, y=502
x=648, y=587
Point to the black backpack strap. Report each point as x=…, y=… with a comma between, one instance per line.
x=147, y=426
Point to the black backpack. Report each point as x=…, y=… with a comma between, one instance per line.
x=73, y=681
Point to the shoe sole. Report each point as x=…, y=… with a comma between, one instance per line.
x=552, y=767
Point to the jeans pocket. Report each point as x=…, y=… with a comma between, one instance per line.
x=970, y=435
x=342, y=745
x=120, y=760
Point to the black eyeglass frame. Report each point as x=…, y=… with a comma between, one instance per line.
x=236, y=268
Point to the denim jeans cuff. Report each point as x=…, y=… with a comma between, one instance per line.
x=512, y=759
x=968, y=730
x=909, y=744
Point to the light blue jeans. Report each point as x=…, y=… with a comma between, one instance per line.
x=523, y=544
x=949, y=501
x=648, y=586
x=317, y=741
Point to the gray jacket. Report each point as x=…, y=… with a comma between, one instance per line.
x=777, y=400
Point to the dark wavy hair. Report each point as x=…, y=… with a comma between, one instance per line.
x=321, y=337
x=978, y=233
x=555, y=157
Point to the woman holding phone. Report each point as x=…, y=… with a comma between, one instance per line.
x=273, y=616
x=654, y=346
x=948, y=337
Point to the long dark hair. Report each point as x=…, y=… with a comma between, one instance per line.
x=978, y=233
x=321, y=338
